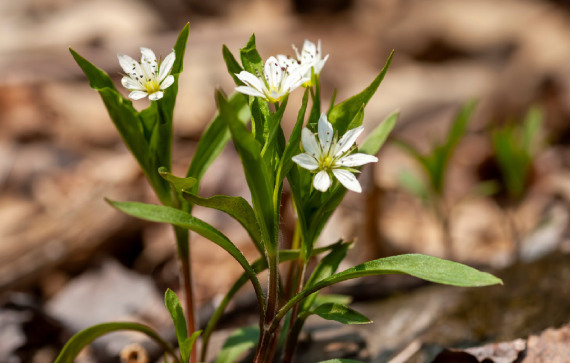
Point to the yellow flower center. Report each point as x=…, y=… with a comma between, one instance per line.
x=152, y=86
x=326, y=162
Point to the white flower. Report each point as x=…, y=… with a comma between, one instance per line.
x=147, y=78
x=310, y=55
x=327, y=155
x=279, y=81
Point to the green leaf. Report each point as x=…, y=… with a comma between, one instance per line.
x=357, y=119
x=236, y=207
x=326, y=267
x=175, y=309
x=232, y=65
x=215, y=138
x=332, y=298
x=377, y=138
x=188, y=345
x=341, y=361
x=80, y=340
x=162, y=214
x=342, y=114
x=178, y=182
x=532, y=126
x=425, y=267
x=275, y=125
x=292, y=147
x=316, y=98
x=256, y=173
x=250, y=58
x=240, y=341
x=341, y=313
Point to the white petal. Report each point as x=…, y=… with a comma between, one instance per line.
x=325, y=132
x=348, y=139
x=251, y=80
x=155, y=96
x=306, y=161
x=347, y=179
x=137, y=95
x=320, y=64
x=310, y=143
x=147, y=54
x=129, y=65
x=131, y=84
x=357, y=159
x=273, y=72
x=309, y=52
x=168, y=81
x=250, y=91
x=166, y=66
x=322, y=181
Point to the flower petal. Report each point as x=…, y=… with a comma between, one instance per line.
x=166, y=66
x=320, y=64
x=325, y=132
x=137, y=95
x=168, y=81
x=250, y=91
x=131, y=84
x=348, y=139
x=322, y=181
x=347, y=179
x=147, y=54
x=309, y=52
x=129, y=65
x=156, y=96
x=357, y=159
x=251, y=80
x=305, y=161
x=149, y=63
x=273, y=73
x=310, y=143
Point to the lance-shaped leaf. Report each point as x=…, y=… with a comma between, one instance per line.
x=175, y=309
x=80, y=340
x=341, y=313
x=215, y=138
x=292, y=147
x=239, y=342
x=188, y=345
x=332, y=298
x=425, y=267
x=316, y=98
x=256, y=173
x=259, y=265
x=162, y=214
x=377, y=138
x=275, y=125
x=232, y=65
x=342, y=114
x=236, y=207
x=179, y=183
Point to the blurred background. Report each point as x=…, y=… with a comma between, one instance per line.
x=68, y=260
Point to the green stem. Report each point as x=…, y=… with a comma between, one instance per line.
x=183, y=243
x=293, y=338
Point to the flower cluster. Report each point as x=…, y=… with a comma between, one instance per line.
x=147, y=78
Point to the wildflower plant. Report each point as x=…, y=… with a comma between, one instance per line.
x=435, y=164
x=268, y=158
